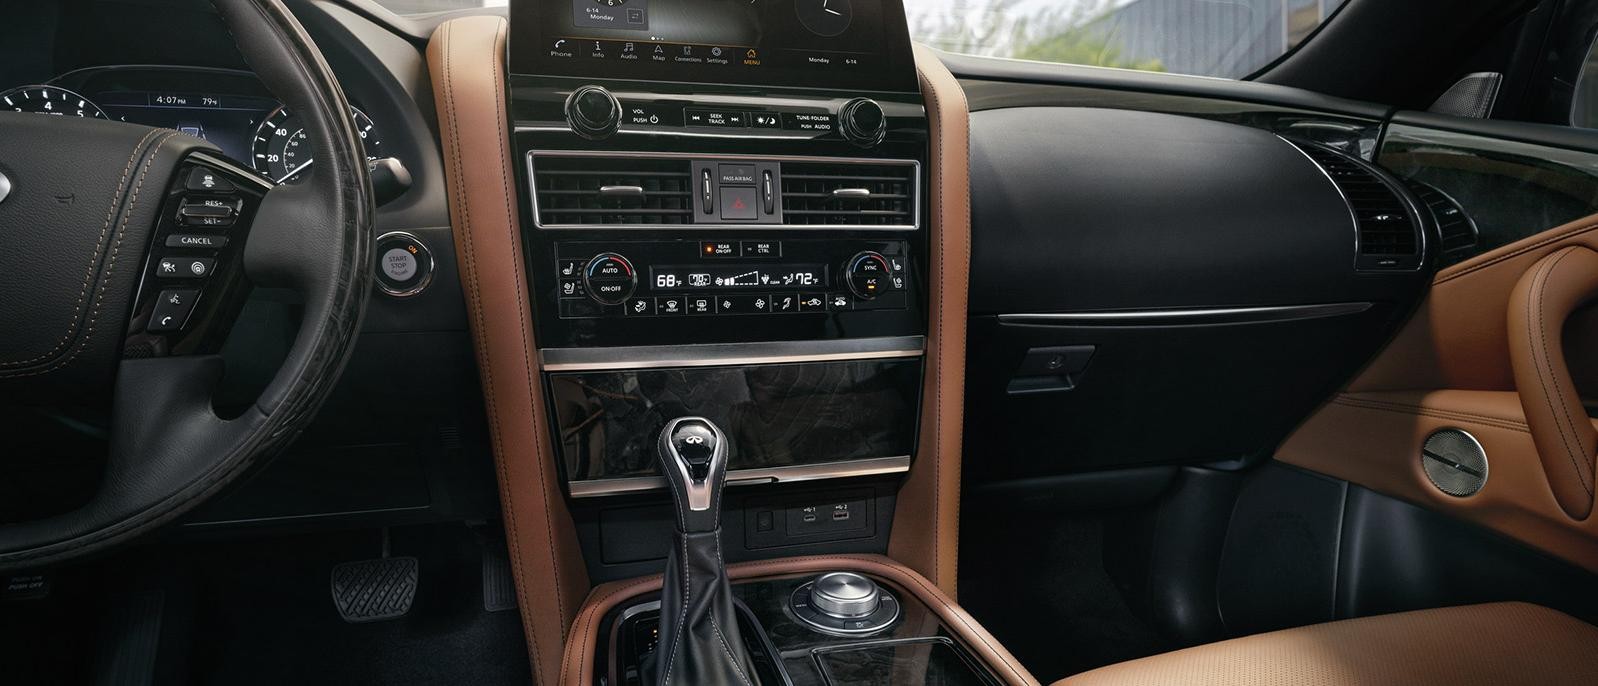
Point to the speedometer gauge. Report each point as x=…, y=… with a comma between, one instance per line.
x=49, y=100
x=281, y=149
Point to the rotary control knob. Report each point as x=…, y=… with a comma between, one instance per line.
x=593, y=112
x=844, y=604
x=862, y=122
x=867, y=274
x=845, y=595
x=610, y=279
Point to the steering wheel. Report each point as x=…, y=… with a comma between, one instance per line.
x=128, y=253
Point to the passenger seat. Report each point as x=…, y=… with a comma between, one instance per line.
x=1498, y=643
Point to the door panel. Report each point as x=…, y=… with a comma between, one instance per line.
x=1453, y=366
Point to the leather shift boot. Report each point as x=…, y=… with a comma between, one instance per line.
x=699, y=639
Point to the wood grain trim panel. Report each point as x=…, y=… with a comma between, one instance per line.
x=466, y=58
x=579, y=665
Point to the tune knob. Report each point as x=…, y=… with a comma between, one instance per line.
x=593, y=112
x=863, y=122
x=610, y=279
x=845, y=595
x=867, y=274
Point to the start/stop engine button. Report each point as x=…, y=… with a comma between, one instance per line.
x=404, y=264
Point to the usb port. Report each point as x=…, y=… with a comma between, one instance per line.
x=810, y=517
x=840, y=515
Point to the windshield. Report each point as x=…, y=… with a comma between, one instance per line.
x=1223, y=38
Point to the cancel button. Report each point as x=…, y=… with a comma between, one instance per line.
x=190, y=240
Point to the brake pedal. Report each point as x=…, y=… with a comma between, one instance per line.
x=375, y=590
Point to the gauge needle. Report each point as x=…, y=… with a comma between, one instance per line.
x=296, y=170
x=827, y=9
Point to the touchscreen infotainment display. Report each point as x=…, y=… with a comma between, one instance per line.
x=857, y=44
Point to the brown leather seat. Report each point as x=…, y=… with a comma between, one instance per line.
x=1499, y=643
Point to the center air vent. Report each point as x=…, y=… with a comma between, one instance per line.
x=572, y=191
x=848, y=194
x=1389, y=236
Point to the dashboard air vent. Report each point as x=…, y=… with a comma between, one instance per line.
x=612, y=190
x=1457, y=231
x=848, y=194
x=1389, y=236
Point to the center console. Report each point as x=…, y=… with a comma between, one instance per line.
x=743, y=216
x=724, y=214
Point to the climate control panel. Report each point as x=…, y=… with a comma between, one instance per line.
x=729, y=277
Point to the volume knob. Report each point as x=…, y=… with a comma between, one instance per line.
x=593, y=112
x=863, y=122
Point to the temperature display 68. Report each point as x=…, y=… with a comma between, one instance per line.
x=764, y=276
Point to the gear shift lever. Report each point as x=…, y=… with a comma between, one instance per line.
x=699, y=638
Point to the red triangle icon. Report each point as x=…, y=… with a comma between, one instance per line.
x=737, y=203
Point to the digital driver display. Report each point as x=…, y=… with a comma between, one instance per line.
x=807, y=43
x=735, y=276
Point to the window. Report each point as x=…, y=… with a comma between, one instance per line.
x=430, y=6
x=1223, y=38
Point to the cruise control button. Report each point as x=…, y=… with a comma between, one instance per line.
x=172, y=308
x=206, y=181
x=190, y=240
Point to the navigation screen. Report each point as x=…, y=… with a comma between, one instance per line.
x=805, y=43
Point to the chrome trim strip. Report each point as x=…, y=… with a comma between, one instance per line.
x=684, y=134
x=1219, y=315
x=915, y=183
x=727, y=354
x=751, y=477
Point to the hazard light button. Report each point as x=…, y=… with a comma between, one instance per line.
x=738, y=204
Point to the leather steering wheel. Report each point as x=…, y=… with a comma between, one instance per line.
x=87, y=220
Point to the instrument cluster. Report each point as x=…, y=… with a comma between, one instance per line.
x=228, y=108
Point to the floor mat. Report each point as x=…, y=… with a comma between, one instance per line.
x=267, y=616
x=1043, y=592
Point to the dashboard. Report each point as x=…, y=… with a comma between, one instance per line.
x=228, y=108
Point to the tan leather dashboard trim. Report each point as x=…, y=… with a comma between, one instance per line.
x=1452, y=366
x=1541, y=303
x=467, y=60
x=578, y=667
x=926, y=534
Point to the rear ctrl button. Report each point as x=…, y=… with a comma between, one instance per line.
x=172, y=309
